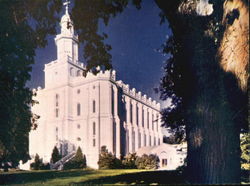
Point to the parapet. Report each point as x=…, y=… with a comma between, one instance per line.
x=138, y=95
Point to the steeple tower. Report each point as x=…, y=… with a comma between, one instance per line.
x=67, y=40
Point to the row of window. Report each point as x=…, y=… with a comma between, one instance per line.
x=154, y=121
x=72, y=73
x=79, y=108
x=152, y=141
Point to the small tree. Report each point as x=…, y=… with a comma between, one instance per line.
x=38, y=164
x=55, y=155
x=107, y=160
x=78, y=162
x=129, y=161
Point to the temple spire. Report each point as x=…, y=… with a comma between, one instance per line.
x=66, y=4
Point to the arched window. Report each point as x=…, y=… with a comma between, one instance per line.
x=78, y=139
x=93, y=106
x=71, y=71
x=78, y=109
x=94, y=128
x=78, y=73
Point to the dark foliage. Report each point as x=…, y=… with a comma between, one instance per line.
x=107, y=160
x=129, y=161
x=38, y=164
x=55, y=155
x=18, y=41
x=78, y=162
x=147, y=161
x=205, y=99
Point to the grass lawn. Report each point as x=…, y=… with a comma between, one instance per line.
x=88, y=176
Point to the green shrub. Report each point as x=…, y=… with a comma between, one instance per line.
x=129, y=161
x=78, y=162
x=107, y=160
x=55, y=156
x=38, y=164
x=147, y=162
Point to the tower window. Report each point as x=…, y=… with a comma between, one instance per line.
x=78, y=109
x=78, y=126
x=78, y=91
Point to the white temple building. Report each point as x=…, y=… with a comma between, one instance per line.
x=89, y=112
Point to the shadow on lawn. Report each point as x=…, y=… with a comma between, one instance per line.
x=26, y=177
x=159, y=177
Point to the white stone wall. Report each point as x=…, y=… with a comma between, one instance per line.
x=67, y=115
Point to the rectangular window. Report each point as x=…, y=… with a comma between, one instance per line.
x=94, y=128
x=57, y=112
x=93, y=106
x=145, y=140
x=94, y=142
x=149, y=140
x=78, y=109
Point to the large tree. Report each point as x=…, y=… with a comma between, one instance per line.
x=206, y=77
x=24, y=26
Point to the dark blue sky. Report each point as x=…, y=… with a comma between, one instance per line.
x=134, y=35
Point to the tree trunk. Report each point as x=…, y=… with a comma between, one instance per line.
x=216, y=107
